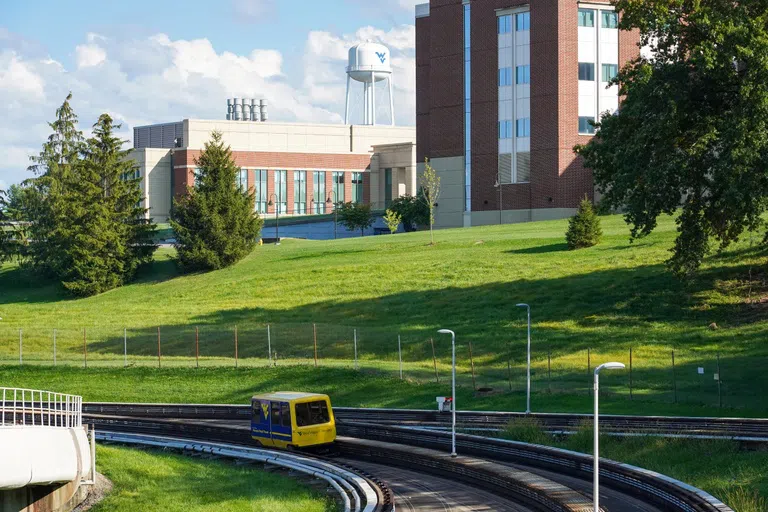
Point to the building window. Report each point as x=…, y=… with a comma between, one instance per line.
x=387, y=187
x=318, y=192
x=586, y=17
x=280, y=191
x=523, y=174
x=260, y=190
x=505, y=77
x=467, y=108
x=524, y=74
x=338, y=187
x=523, y=21
x=300, y=192
x=610, y=71
x=505, y=130
x=505, y=24
x=357, y=187
x=585, y=125
x=196, y=176
x=524, y=127
x=610, y=19
x=242, y=179
x=587, y=71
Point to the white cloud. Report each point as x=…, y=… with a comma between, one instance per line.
x=158, y=79
x=253, y=10
x=89, y=55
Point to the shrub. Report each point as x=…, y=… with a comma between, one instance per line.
x=584, y=227
x=393, y=220
x=413, y=210
x=355, y=216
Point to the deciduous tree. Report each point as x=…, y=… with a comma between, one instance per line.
x=430, y=186
x=356, y=216
x=692, y=130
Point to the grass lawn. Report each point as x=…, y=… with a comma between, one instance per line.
x=160, y=481
x=738, y=477
x=589, y=306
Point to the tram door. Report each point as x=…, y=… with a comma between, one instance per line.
x=280, y=419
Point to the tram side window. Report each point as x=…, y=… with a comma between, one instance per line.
x=275, y=413
x=286, y=414
x=257, y=410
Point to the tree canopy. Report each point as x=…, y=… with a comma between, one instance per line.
x=355, y=216
x=692, y=130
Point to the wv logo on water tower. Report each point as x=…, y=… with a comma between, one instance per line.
x=382, y=56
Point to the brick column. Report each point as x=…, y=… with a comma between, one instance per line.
x=328, y=189
x=347, y=187
x=367, y=188
x=310, y=192
x=270, y=191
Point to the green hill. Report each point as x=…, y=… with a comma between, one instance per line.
x=603, y=300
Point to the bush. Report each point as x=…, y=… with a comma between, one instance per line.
x=393, y=220
x=584, y=227
x=355, y=216
x=413, y=210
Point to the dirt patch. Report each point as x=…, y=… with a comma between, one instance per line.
x=97, y=493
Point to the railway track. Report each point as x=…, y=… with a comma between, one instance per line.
x=741, y=429
x=393, y=426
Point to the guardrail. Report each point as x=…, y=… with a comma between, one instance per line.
x=36, y=408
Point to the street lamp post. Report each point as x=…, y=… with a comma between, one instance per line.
x=596, y=463
x=528, y=394
x=277, y=217
x=453, y=389
x=501, y=202
x=335, y=211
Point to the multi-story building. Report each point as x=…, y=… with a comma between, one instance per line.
x=293, y=169
x=504, y=90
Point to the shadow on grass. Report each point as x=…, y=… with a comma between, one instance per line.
x=540, y=249
x=157, y=272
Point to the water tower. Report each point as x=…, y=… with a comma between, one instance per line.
x=369, y=63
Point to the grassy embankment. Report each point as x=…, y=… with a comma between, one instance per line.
x=174, y=483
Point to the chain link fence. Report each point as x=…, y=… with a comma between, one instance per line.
x=654, y=372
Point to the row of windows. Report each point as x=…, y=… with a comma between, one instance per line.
x=299, y=189
x=610, y=19
x=522, y=75
x=522, y=22
x=522, y=128
x=587, y=71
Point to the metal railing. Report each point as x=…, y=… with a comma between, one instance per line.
x=35, y=408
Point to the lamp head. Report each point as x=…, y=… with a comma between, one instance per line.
x=445, y=331
x=610, y=366
x=270, y=203
x=522, y=305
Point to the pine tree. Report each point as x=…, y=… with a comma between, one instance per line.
x=215, y=223
x=53, y=168
x=584, y=227
x=105, y=220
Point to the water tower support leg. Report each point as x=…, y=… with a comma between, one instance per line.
x=346, y=105
x=391, y=102
x=373, y=98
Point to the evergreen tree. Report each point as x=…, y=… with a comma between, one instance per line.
x=215, y=223
x=54, y=168
x=105, y=221
x=584, y=227
x=5, y=229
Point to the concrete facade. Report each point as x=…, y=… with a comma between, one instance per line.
x=498, y=85
x=300, y=168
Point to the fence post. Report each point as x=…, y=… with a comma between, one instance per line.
x=21, y=348
x=158, y=347
x=472, y=364
x=235, y=346
x=630, y=373
x=589, y=368
x=85, y=349
x=719, y=381
x=674, y=378
x=355, y=337
x=400, y=356
x=314, y=336
x=125, y=347
x=509, y=373
x=434, y=360
x=549, y=370
x=269, y=345
x=197, y=347
x=54, y=347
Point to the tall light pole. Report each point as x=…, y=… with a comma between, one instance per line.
x=277, y=217
x=335, y=211
x=453, y=390
x=528, y=395
x=596, y=463
x=501, y=203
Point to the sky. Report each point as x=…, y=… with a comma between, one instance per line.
x=156, y=61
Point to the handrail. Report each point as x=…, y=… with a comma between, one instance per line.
x=21, y=407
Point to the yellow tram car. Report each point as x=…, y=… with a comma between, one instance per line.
x=292, y=420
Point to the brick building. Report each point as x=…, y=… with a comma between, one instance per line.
x=302, y=169
x=504, y=90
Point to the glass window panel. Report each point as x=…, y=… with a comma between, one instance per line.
x=585, y=125
x=318, y=189
x=586, y=17
x=387, y=187
x=524, y=127
x=586, y=71
x=610, y=19
x=300, y=192
x=357, y=187
x=523, y=21
x=285, y=414
x=523, y=74
x=610, y=71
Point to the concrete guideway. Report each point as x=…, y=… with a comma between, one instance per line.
x=46, y=454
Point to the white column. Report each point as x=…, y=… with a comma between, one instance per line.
x=346, y=105
x=373, y=98
x=391, y=102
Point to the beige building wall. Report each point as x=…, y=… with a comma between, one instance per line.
x=401, y=158
x=450, y=205
x=155, y=168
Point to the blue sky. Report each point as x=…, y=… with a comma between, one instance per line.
x=154, y=61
